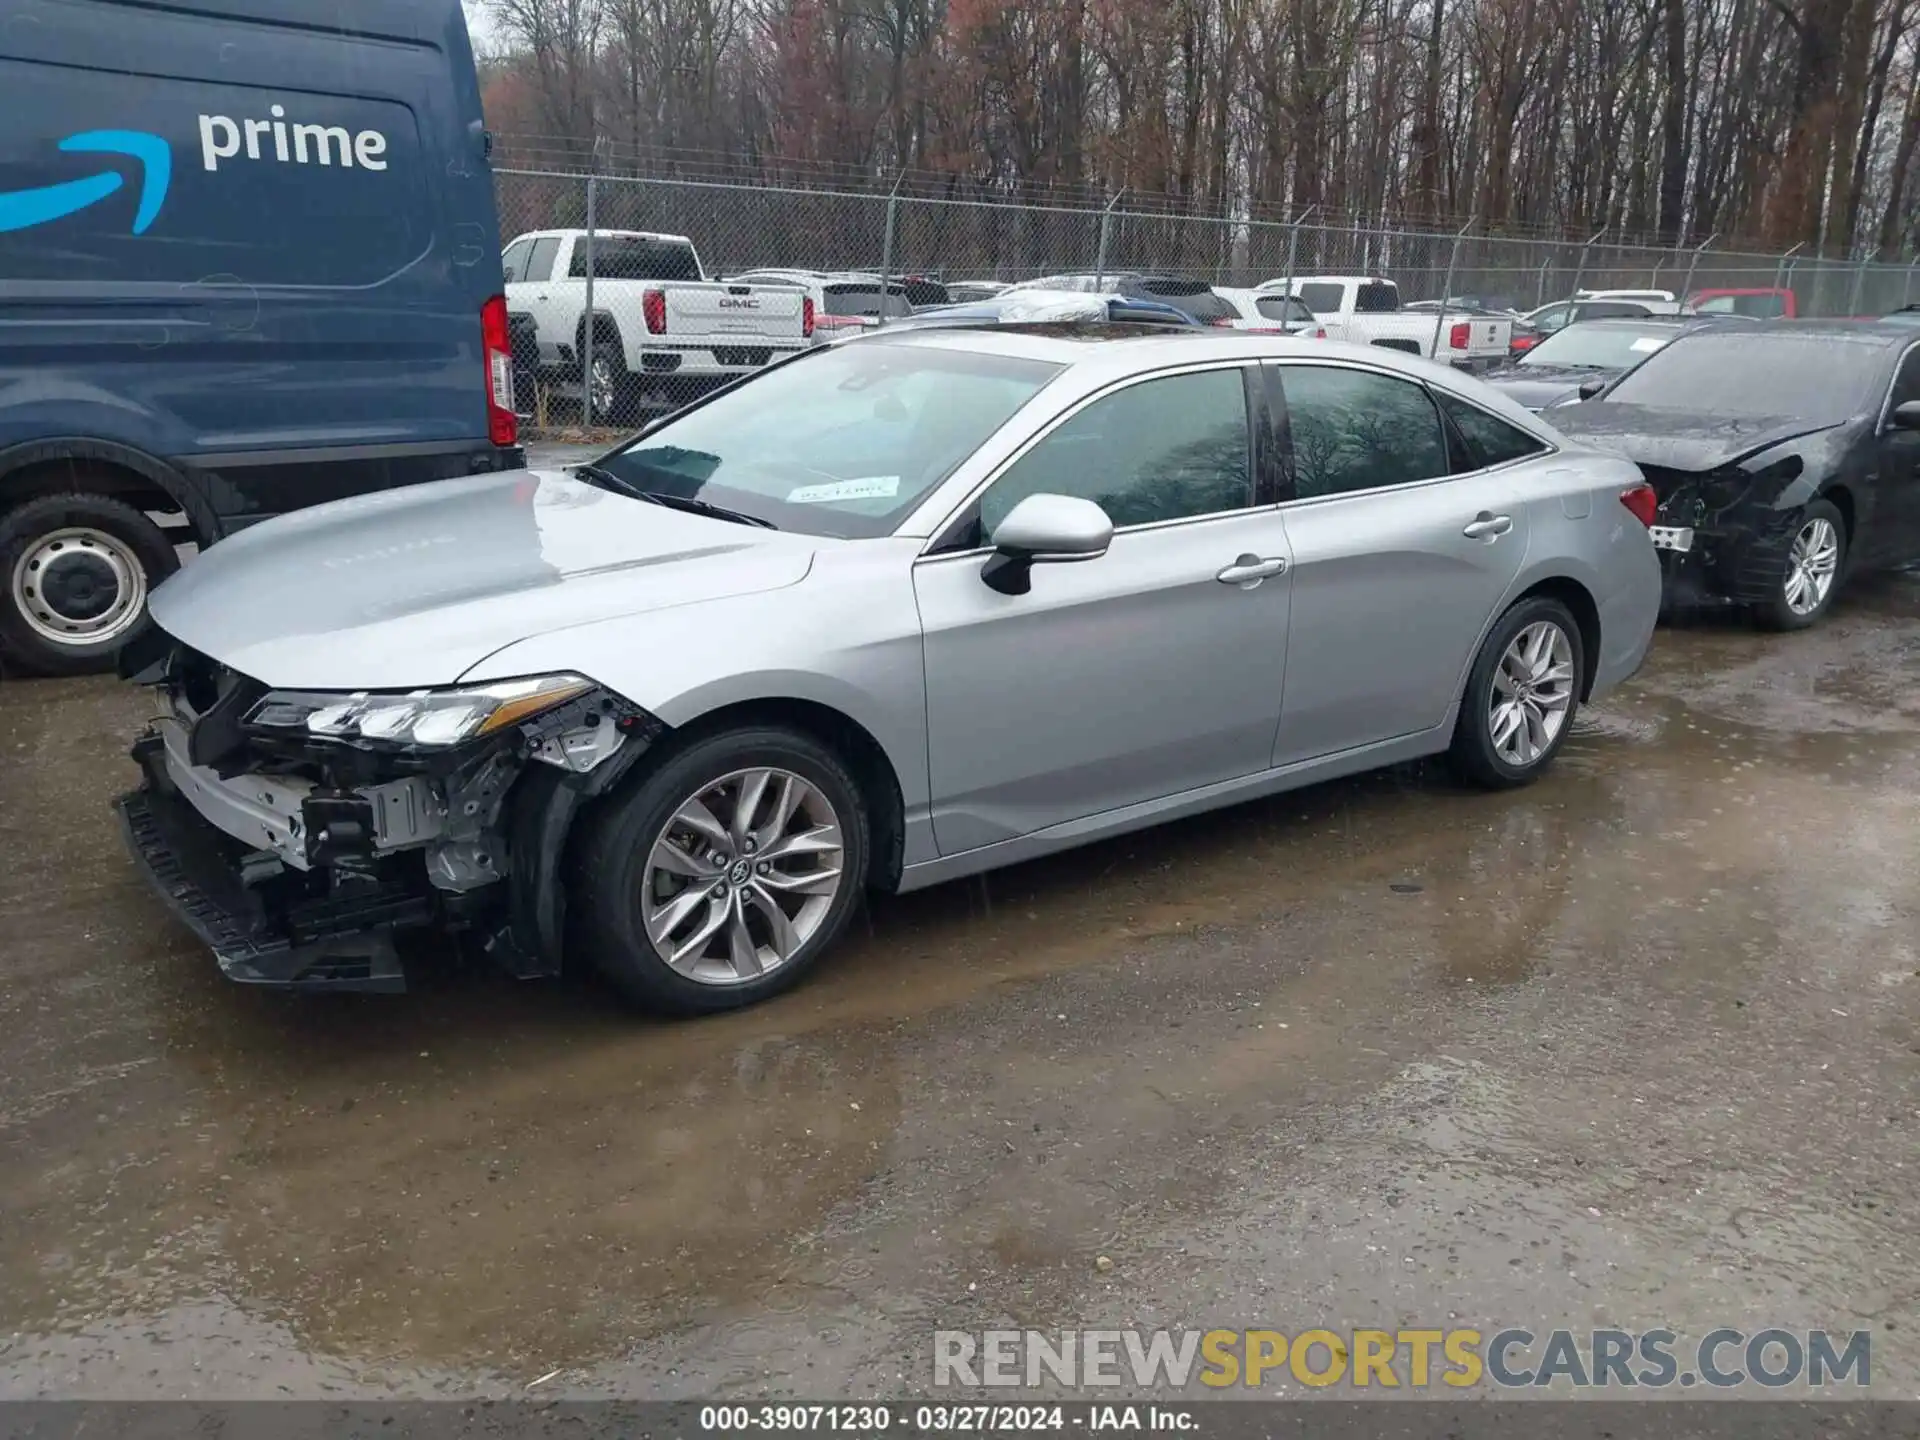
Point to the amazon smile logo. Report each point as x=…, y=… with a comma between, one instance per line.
x=23, y=209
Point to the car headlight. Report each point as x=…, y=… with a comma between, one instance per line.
x=420, y=717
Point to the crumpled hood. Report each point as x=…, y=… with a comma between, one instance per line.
x=1678, y=439
x=1538, y=386
x=413, y=587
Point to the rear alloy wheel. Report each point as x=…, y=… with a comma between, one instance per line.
x=1521, y=695
x=76, y=570
x=726, y=873
x=1811, y=571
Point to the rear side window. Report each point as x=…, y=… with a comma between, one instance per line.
x=1323, y=299
x=1489, y=439
x=1377, y=298
x=215, y=185
x=540, y=263
x=514, y=261
x=626, y=257
x=1351, y=430
x=1283, y=308
x=863, y=301
x=1613, y=310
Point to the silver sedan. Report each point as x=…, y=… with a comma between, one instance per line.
x=898, y=611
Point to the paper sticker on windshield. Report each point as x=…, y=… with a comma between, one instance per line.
x=1648, y=343
x=867, y=487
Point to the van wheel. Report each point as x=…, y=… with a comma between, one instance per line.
x=75, y=570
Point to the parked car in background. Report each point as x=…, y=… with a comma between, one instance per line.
x=980, y=595
x=1905, y=315
x=1592, y=352
x=1366, y=311
x=841, y=302
x=1784, y=453
x=1052, y=307
x=1194, y=298
x=1756, y=304
x=960, y=292
x=1559, y=314
x=1655, y=300
x=212, y=331
x=658, y=323
x=1271, y=314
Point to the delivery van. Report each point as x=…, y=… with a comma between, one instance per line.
x=249, y=262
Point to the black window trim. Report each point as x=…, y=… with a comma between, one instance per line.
x=1283, y=433
x=951, y=536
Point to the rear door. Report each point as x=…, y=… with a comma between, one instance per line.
x=1398, y=561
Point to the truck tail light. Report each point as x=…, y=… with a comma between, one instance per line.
x=1460, y=336
x=1643, y=503
x=806, y=315
x=503, y=426
x=1319, y=332
x=653, y=308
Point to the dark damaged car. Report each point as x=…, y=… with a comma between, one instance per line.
x=1786, y=457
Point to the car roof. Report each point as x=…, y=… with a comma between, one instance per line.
x=1861, y=332
x=1124, y=348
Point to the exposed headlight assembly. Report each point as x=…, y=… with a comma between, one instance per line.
x=429, y=718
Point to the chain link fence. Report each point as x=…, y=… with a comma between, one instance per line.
x=826, y=249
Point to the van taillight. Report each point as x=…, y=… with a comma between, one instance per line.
x=1459, y=336
x=503, y=426
x=653, y=306
x=806, y=315
x=1643, y=502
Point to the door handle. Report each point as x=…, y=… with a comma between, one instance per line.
x=1488, y=526
x=1249, y=570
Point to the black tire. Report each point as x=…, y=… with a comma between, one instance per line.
x=1778, y=613
x=115, y=535
x=609, y=865
x=1474, y=752
x=614, y=402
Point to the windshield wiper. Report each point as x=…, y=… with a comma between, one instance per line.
x=600, y=475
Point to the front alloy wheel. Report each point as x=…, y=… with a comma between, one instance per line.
x=743, y=875
x=1810, y=573
x=717, y=874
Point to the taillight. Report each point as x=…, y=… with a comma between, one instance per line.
x=1219, y=323
x=503, y=426
x=653, y=309
x=1320, y=332
x=844, y=322
x=1643, y=502
x=806, y=315
x=1460, y=336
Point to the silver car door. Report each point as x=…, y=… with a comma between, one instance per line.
x=1151, y=670
x=1398, y=560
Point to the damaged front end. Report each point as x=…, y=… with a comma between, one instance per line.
x=297, y=833
x=1723, y=534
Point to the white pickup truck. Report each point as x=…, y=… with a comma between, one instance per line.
x=1365, y=310
x=658, y=323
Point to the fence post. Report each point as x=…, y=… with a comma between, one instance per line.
x=1781, y=267
x=1446, y=289
x=1100, y=259
x=586, y=339
x=1293, y=244
x=1906, y=290
x=1859, y=279
x=1540, y=290
x=886, y=250
x=1687, y=289
x=1580, y=270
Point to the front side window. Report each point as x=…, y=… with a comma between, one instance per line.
x=843, y=442
x=1355, y=430
x=1551, y=318
x=1906, y=383
x=1167, y=449
x=513, y=261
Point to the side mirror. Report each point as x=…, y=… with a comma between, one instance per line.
x=1044, y=530
x=1591, y=388
x=1905, y=416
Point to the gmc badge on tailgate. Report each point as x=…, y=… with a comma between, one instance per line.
x=739, y=304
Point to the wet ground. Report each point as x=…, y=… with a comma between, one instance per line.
x=1638, y=1046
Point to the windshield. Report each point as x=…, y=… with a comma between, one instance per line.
x=1815, y=376
x=843, y=442
x=1601, y=347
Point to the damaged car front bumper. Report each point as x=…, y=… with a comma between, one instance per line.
x=298, y=835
